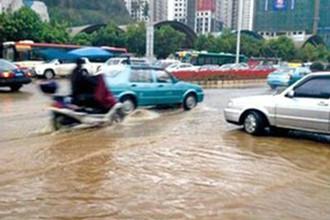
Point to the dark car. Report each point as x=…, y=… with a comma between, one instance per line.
x=13, y=77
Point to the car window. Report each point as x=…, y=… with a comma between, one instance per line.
x=114, y=73
x=5, y=65
x=185, y=65
x=318, y=87
x=113, y=62
x=163, y=77
x=141, y=76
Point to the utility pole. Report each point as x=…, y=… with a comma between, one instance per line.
x=150, y=32
x=316, y=18
x=239, y=29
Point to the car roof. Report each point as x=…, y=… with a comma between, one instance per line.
x=320, y=74
x=145, y=67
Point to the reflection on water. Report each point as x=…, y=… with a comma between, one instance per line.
x=160, y=164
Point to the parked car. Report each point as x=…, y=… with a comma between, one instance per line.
x=58, y=67
x=181, y=67
x=166, y=63
x=303, y=106
x=209, y=67
x=226, y=67
x=284, y=77
x=137, y=86
x=107, y=66
x=13, y=77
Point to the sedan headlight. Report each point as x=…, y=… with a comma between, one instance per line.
x=230, y=104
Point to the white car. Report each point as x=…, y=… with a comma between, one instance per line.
x=108, y=65
x=59, y=67
x=181, y=67
x=303, y=106
x=234, y=66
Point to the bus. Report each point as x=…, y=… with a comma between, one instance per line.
x=28, y=53
x=205, y=58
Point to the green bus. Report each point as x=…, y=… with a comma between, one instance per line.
x=205, y=58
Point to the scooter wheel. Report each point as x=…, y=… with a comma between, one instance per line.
x=117, y=118
x=57, y=122
x=60, y=121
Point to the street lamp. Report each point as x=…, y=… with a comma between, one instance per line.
x=150, y=32
x=239, y=28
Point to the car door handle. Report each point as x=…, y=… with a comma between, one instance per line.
x=160, y=85
x=323, y=104
x=133, y=85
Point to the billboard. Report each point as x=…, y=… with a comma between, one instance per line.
x=280, y=5
x=206, y=5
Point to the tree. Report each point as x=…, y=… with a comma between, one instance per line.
x=167, y=41
x=136, y=38
x=54, y=33
x=206, y=42
x=282, y=47
x=109, y=35
x=23, y=24
x=82, y=39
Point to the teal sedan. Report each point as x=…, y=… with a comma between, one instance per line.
x=138, y=86
x=285, y=77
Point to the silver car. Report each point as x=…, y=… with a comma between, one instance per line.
x=303, y=106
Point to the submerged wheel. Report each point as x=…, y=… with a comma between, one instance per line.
x=189, y=102
x=49, y=74
x=15, y=88
x=254, y=123
x=128, y=105
x=61, y=121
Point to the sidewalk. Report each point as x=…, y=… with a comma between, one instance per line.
x=219, y=84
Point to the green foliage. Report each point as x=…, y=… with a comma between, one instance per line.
x=54, y=33
x=109, y=35
x=317, y=66
x=227, y=43
x=282, y=47
x=22, y=24
x=25, y=24
x=82, y=39
x=136, y=38
x=81, y=12
x=167, y=41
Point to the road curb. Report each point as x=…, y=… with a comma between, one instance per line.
x=220, y=84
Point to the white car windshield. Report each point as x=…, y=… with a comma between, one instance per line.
x=6, y=66
x=53, y=61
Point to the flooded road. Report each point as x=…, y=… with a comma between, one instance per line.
x=166, y=164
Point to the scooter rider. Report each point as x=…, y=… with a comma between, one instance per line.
x=86, y=90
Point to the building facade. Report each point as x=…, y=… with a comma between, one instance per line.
x=207, y=17
x=177, y=10
x=160, y=10
x=298, y=20
x=138, y=9
x=12, y=5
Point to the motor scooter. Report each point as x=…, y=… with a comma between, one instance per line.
x=65, y=114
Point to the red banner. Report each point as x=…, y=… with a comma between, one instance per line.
x=206, y=5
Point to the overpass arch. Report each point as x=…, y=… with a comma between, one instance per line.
x=189, y=33
x=315, y=40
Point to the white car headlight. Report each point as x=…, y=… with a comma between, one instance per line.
x=230, y=104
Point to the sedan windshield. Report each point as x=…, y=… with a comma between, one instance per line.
x=282, y=71
x=6, y=66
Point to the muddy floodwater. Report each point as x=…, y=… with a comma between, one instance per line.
x=158, y=164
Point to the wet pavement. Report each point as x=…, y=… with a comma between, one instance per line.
x=158, y=164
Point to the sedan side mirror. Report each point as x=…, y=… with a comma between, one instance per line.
x=290, y=94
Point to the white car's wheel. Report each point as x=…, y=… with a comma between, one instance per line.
x=190, y=102
x=254, y=123
x=128, y=105
x=49, y=74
